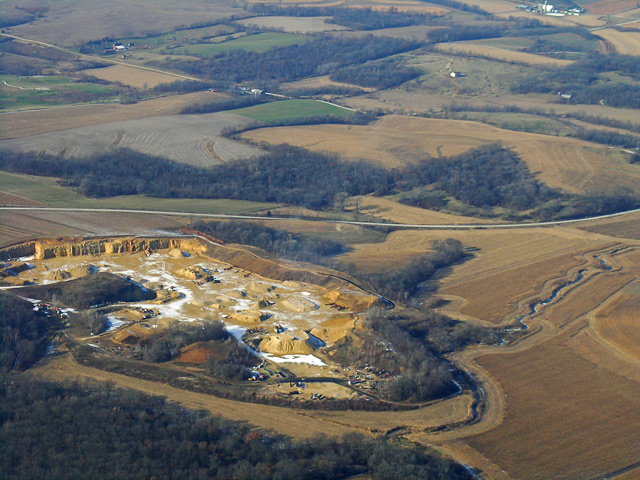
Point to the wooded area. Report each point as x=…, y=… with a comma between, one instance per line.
x=74, y=431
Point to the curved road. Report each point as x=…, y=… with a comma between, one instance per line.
x=443, y=226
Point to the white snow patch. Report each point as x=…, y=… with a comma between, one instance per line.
x=310, y=359
x=114, y=323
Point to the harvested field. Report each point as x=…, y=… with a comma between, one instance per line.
x=400, y=213
x=624, y=43
x=131, y=76
x=24, y=124
x=618, y=322
x=412, y=32
x=566, y=163
x=493, y=6
x=318, y=82
x=293, y=24
x=189, y=139
x=502, y=54
x=513, y=265
x=627, y=226
x=69, y=22
x=586, y=297
x=607, y=7
x=21, y=226
x=566, y=418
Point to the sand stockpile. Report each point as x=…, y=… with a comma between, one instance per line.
x=58, y=275
x=251, y=317
x=292, y=284
x=299, y=304
x=192, y=273
x=353, y=301
x=83, y=270
x=335, y=328
x=262, y=303
x=285, y=345
x=176, y=253
x=260, y=287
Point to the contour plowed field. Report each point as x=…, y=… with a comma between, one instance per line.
x=189, y=139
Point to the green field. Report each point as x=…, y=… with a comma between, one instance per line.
x=41, y=91
x=275, y=112
x=259, y=43
x=47, y=191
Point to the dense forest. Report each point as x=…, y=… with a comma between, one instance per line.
x=73, y=431
x=25, y=333
x=484, y=177
x=99, y=288
x=320, y=56
x=380, y=74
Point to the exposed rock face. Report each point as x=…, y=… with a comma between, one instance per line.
x=71, y=247
x=20, y=250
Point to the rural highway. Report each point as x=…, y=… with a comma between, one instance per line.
x=442, y=226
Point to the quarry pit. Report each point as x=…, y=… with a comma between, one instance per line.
x=289, y=320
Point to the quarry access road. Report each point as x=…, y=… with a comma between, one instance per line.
x=442, y=226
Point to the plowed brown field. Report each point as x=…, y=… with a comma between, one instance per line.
x=134, y=77
x=24, y=124
x=566, y=417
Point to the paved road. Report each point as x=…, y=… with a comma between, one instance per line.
x=444, y=226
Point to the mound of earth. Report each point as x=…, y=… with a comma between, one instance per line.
x=132, y=334
x=260, y=287
x=57, y=275
x=251, y=317
x=291, y=284
x=337, y=327
x=96, y=289
x=176, y=253
x=192, y=273
x=80, y=271
x=285, y=345
x=262, y=303
x=14, y=282
x=299, y=304
x=353, y=301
